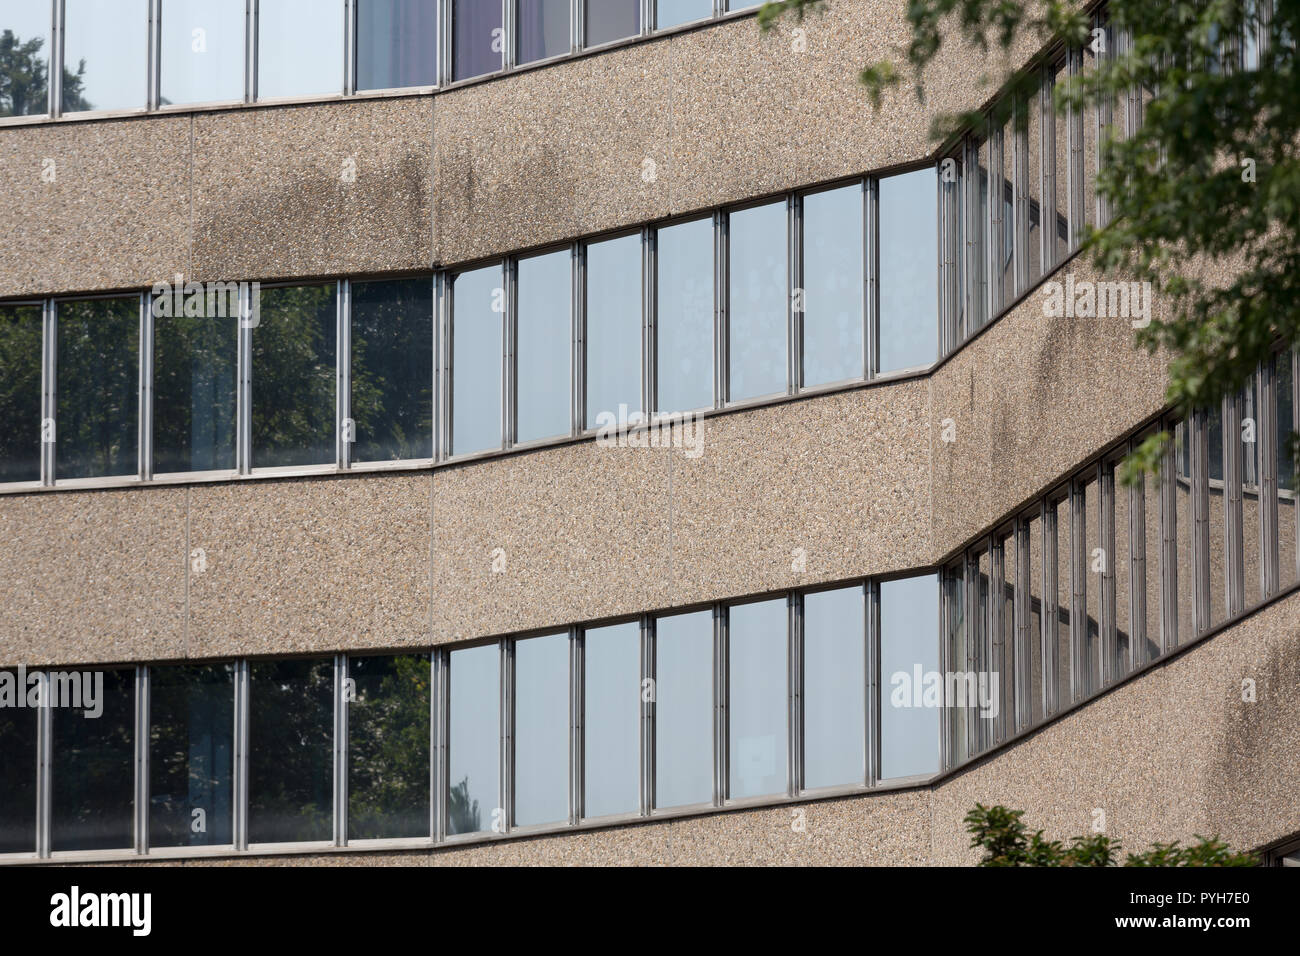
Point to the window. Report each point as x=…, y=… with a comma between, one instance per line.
x=609, y=20
x=834, y=691
x=684, y=326
x=299, y=48
x=20, y=392
x=473, y=797
x=613, y=329
x=392, y=369
x=1033, y=110
x=476, y=35
x=397, y=43
x=544, y=346
x=684, y=709
x=1127, y=547
x=105, y=55
x=195, y=381
x=1096, y=562
x=909, y=653
x=24, y=58
x=1183, y=578
x=541, y=731
x=92, y=771
x=294, y=376
x=757, y=698
x=98, y=387
x=759, y=300
x=202, y=51
x=388, y=747
x=1216, y=517
x=17, y=763
x=476, y=345
x=833, y=286
x=541, y=29
x=909, y=270
x=1037, y=603
x=1245, y=445
x=1059, y=624
x=1286, y=470
x=671, y=13
x=291, y=751
x=612, y=719
x=191, y=755
x=958, y=651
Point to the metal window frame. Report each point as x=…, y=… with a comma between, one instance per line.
x=44, y=762
x=340, y=750
x=1022, y=199
x=1168, y=572
x=1081, y=677
x=447, y=338
x=996, y=244
x=1022, y=612
x=1266, y=448
x=1075, y=166
x=1047, y=211
x=49, y=388
x=1049, y=616
x=1234, y=512
x=582, y=280
x=1198, y=435
x=1108, y=625
x=140, y=808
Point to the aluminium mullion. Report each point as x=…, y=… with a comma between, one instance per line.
x=971, y=273
x=251, y=51
x=44, y=752
x=1168, y=571
x=1046, y=170
x=579, y=403
x=508, y=39
x=971, y=629
x=721, y=308
x=509, y=363
x=1050, y=616
x=649, y=317
x=141, y=762
x=443, y=72
x=56, y=60
x=794, y=303
x=244, y=397
x=648, y=696
x=442, y=365
x=997, y=627
x=49, y=389
x=577, y=25
x=577, y=723
x=144, y=438
x=442, y=729
x=1022, y=612
x=1266, y=441
x=721, y=717
x=647, y=14
x=349, y=47
x=1108, y=626
x=794, y=695
x=996, y=245
x=871, y=276
x=1020, y=191
x=340, y=750
x=871, y=742
x=1233, y=536
x=1198, y=433
x=1080, y=670
x=240, y=808
x=345, y=427
x=504, y=814
x=153, y=56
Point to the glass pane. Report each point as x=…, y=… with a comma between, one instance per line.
x=542, y=730
x=191, y=755
x=1064, y=593
x=24, y=58
x=1006, y=272
x=475, y=740
x=544, y=345
x=909, y=270
x=98, y=387
x=685, y=321
x=299, y=48
x=195, y=382
x=1152, y=524
x=20, y=393
x=684, y=709
x=955, y=639
x=291, y=751
x=834, y=697
x=832, y=286
x=17, y=762
x=105, y=55
x=476, y=37
x=1183, y=577
x=1036, y=683
x=1005, y=651
x=612, y=728
x=1033, y=110
x=609, y=20
x=392, y=369
x=388, y=747
x=977, y=242
x=202, y=55
x=1097, y=563
x=758, y=273
x=1217, y=517
x=670, y=13
x=1247, y=445
x=614, y=329
x=977, y=693
x=909, y=667
x=92, y=759
x=758, y=694
x=1123, y=568
x=541, y=29
x=294, y=375
x=397, y=43
x=1062, y=143
x=1286, y=472
x=476, y=355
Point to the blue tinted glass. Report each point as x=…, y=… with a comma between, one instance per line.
x=542, y=730
x=685, y=321
x=757, y=698
x=21, y=335
x=909, y=663
x=909, y=270
x=834, y=700
x=757, y=332
x=397, y=43
x=544, y=345
x=670, y=13
x=609, y=20
x=25, y=73
x=477, y=38
x=202, y=54
x=614, y=328
x=541, y=29
x=832, y=284
x=684, y=709
x=105, y=55
x=474, y=746
x=478, y=301
x=299, y=48
x=612, y=658
x=392, y=369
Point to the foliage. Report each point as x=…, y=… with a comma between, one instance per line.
x=1003, y=837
